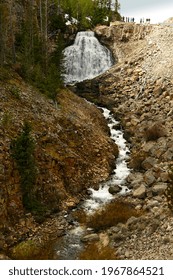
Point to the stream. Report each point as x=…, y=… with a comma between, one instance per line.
x=69, y=246
x=85, y=59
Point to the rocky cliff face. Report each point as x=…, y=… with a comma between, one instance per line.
x=122, y=38
x=140, y=88
x=73, y=151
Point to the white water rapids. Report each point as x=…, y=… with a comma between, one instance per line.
x=119, y=174
x=86, y=58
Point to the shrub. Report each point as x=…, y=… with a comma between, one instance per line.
x=154, y=132
x=5, y=73
x=93, y=252
x=115, y=212
x=15, y=91
x=7, y=119
x=80, y=216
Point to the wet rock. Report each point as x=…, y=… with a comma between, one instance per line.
x=114, y=189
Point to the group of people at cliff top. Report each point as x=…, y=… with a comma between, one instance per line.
x=142, y=20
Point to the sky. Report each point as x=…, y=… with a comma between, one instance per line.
x=157, y=10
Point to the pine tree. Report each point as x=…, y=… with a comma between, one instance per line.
x=22, y=151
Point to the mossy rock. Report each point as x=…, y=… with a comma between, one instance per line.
x=32, y=250
x=26, y=250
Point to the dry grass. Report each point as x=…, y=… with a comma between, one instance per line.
x=154, y=132
x=80, y=216
x=93, y=252
x=137, y=159
x=113, y=213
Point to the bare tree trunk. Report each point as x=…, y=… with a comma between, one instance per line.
x=41, y=17
x=12, y=32
x=31, y=26
x=46, y=20
x=46, y=34
x=2, y=35
x=59, y=7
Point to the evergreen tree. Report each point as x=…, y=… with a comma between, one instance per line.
x=22, y=151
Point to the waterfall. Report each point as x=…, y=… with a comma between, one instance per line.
x=86, y=58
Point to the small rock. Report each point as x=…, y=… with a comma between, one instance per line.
x=151, y=204
x=127, y=254
x=118, y=237
x=138, y=207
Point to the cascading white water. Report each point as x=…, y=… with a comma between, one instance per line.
x=120, y=172
x=86, y=58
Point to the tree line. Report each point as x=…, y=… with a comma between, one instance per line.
x=32, y=35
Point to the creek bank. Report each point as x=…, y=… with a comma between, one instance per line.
x=139, y=90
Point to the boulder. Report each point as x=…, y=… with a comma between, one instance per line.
x=90, y=237
x=140, y=192
x=114, y=189
x=149, y=178
x=132, y=221
x=149, y=163
x=157, y=91
x=159, y=188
